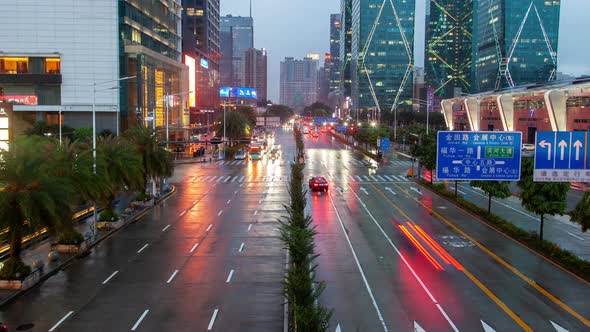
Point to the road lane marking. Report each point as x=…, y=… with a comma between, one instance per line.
x=242, y=246
x=260, y=201
x=256, y=212
x=373, y=178
x=403, y=258
x=486, y=327
x=557, y=327
x=236, y=192
x=366, y=178
x=209, y=228
x=234, y=179
x=227, y=179
x=172, y=276
x=249, y=227
x=194, y=247
x=358, y=264
x=359, y=178
x=165, y=228
x=418, y=328
x=110, y=277
x=577, y=237
x=380, y=178
x=231, y=274
x=221, y=177
x=338, y=328
x=195, y=202
x=219, y=213
x=142, y=248
x=228, y=201
x=212, y=321
x=241, y=178
x=506, y=205
x=61, y=321
x=503, y=262
x=182, y=213
x=139, y=320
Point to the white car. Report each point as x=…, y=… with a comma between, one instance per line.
x=526, y=147
x=240, y=155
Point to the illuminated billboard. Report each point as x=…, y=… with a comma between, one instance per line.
x=192, y=79
x=230, y=92
x=204, y=63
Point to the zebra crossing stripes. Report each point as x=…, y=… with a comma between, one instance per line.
x=375, y=178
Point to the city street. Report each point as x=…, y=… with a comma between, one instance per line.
x=396, y=257
x=208, y=258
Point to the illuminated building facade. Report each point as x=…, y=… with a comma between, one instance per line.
x=255, y=72
x=67, y=65
x=332, y=62
x=449, y=47
x=345, y=48
x=382, y=53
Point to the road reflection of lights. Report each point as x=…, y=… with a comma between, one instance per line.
x=420, y=248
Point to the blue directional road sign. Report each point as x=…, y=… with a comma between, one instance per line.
x=341, y=128
x=561, y=156
x=385, y=144
x=479, y=155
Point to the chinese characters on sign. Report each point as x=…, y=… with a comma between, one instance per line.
x=493, y=156
x=561, y=156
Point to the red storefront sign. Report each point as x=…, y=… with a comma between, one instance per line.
x=21, y=100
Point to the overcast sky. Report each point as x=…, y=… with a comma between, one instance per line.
x=295, y=28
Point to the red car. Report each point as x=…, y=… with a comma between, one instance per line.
x=318, y=183
x=314, y=134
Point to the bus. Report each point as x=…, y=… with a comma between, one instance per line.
x=255, y=152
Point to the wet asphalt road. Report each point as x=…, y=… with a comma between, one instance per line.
x=397, y=258
x=211, y=256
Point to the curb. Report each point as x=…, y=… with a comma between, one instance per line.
x=68, y=261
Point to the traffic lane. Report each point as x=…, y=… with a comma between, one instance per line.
x=82, y=280
x=464, y=304
x=557, y=229
x=345, y=292
x=521, y=296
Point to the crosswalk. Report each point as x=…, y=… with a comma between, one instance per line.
x=374, y=178
x=355, y=162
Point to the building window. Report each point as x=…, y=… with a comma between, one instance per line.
x=52, y=65
x=13, y=65
x=135, y=36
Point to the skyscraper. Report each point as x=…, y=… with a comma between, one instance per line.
x=237, y=36
x=515, y=42
x=255, y=72
x=333, y=61
x=448, y=47
x=345, y=47
x=299, y=82
x=200, y=48
x=382, y=53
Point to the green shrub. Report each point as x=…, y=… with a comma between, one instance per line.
x=231, y=151
x=142, y=197
x=70, y=238
x=108, y=215
x=13, y=269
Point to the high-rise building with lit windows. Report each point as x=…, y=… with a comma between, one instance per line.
x=332, y=63
x=382, y=53
x=299, y=82
x=448, y=58
x=514, y=42
x=72, y=65
x=345, y=47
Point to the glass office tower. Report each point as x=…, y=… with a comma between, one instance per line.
x=237, y=36
x=382, y=53
x=449, y=47
x=514, y=42
x=345, y=44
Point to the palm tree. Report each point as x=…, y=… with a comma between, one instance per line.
x=237, y=125
x=156, y=160
x=119, y=168
x=31, y=196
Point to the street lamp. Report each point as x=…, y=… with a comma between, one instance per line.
x=427, y=104
x=94, y=90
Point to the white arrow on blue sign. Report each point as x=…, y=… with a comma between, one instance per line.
x=561, y=156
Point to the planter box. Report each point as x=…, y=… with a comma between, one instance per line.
x=26, y=283
x=68, y=248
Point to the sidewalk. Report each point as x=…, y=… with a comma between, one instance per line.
x=37, y=255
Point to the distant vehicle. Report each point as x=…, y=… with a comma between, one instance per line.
x=526, y=147
x=318, y=183
x=255, y=152
x=305, y=130
x=314, y=134
x=240, y=155
x=323, y=130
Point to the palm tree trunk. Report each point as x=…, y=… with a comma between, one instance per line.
x=16, y=238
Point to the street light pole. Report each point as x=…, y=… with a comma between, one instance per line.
x=60, y=125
